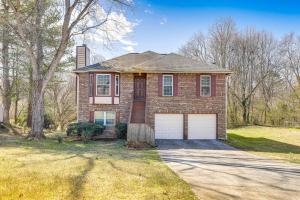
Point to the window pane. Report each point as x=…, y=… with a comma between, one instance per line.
x=205, y=81
x=103, y=84
x=110, y=118
x=102, y=89
x=205, y=91
x=99, y=117
x=168, y=80
x=105, y=118
x=168, y=90
x=167, y=85
x=205, y=85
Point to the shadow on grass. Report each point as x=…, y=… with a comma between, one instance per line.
x=94, y=149
x=79, y=181
x=261, y=144
x=89, y=152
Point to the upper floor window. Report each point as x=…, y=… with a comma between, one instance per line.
x=103, y=84
x=205, y=89
x=117, y=85
x=167, y=85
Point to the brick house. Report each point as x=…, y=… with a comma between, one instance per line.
x=160, y=96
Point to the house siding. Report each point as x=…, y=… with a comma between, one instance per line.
x=186, y=102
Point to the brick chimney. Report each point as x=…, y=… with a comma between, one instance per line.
x=82, y=56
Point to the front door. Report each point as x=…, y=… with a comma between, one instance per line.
x=140, y=87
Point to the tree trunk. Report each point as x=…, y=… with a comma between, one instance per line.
x=37, y=101
x=6, y=93
x=16, y=111
x=6, y=108
x=29, y=100
x=29, y=111
x=37, y=123
x=17, y=87
x=245, y=113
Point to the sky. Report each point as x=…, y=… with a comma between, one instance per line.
x=165, y=25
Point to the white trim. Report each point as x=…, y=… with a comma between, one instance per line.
x=201, y=85
x=109, y=94
x=166, y=75
x=117, y=75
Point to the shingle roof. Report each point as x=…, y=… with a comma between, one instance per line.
x=150, y=61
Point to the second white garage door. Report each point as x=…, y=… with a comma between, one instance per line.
x=168, y=126
x=202, y=126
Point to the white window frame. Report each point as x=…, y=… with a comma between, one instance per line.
x=163, y=85
x=104, y=121
x=117, y=85
x=109, y=91
x=203, y=76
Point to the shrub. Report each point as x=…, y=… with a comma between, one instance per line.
x=122, y=130
x=48, y=121
x=60, y=139
x=84, y=129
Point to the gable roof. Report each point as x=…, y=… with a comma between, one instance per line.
x=152, y=62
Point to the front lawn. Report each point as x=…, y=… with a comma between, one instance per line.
x=279, y=143
x=77, y=170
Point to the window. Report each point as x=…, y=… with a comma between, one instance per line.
x=91, y=80
x=167, y=85
x=105, y=118
x=117, y=85
x=205, y=86
x=103, y=85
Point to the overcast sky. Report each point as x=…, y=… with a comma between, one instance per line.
x=164, y=25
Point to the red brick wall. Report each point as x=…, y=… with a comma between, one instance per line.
x=185, y=102
x=126, y=89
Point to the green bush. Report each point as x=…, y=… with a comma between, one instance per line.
x=122, y=130
x=84, y=129
x=48, y=121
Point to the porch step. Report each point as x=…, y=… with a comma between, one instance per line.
x=138, y=112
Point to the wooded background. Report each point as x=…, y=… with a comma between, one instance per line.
x=38, y=37
x=264, y=88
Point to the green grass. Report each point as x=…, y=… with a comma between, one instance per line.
x=278, y=143
x=76, y=170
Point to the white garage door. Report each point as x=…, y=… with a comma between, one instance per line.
x=168, y=126
x=202, y=126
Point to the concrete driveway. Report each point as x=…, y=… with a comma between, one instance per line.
x=217, y=171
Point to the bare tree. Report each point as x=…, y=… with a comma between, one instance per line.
x=221, y=36
x=290, y=61
x=61, y=95
x=253, y=58
x=197, y=48
x=31, y=20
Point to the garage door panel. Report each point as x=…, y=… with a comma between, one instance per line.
x=168, y=126
x=202, y=126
